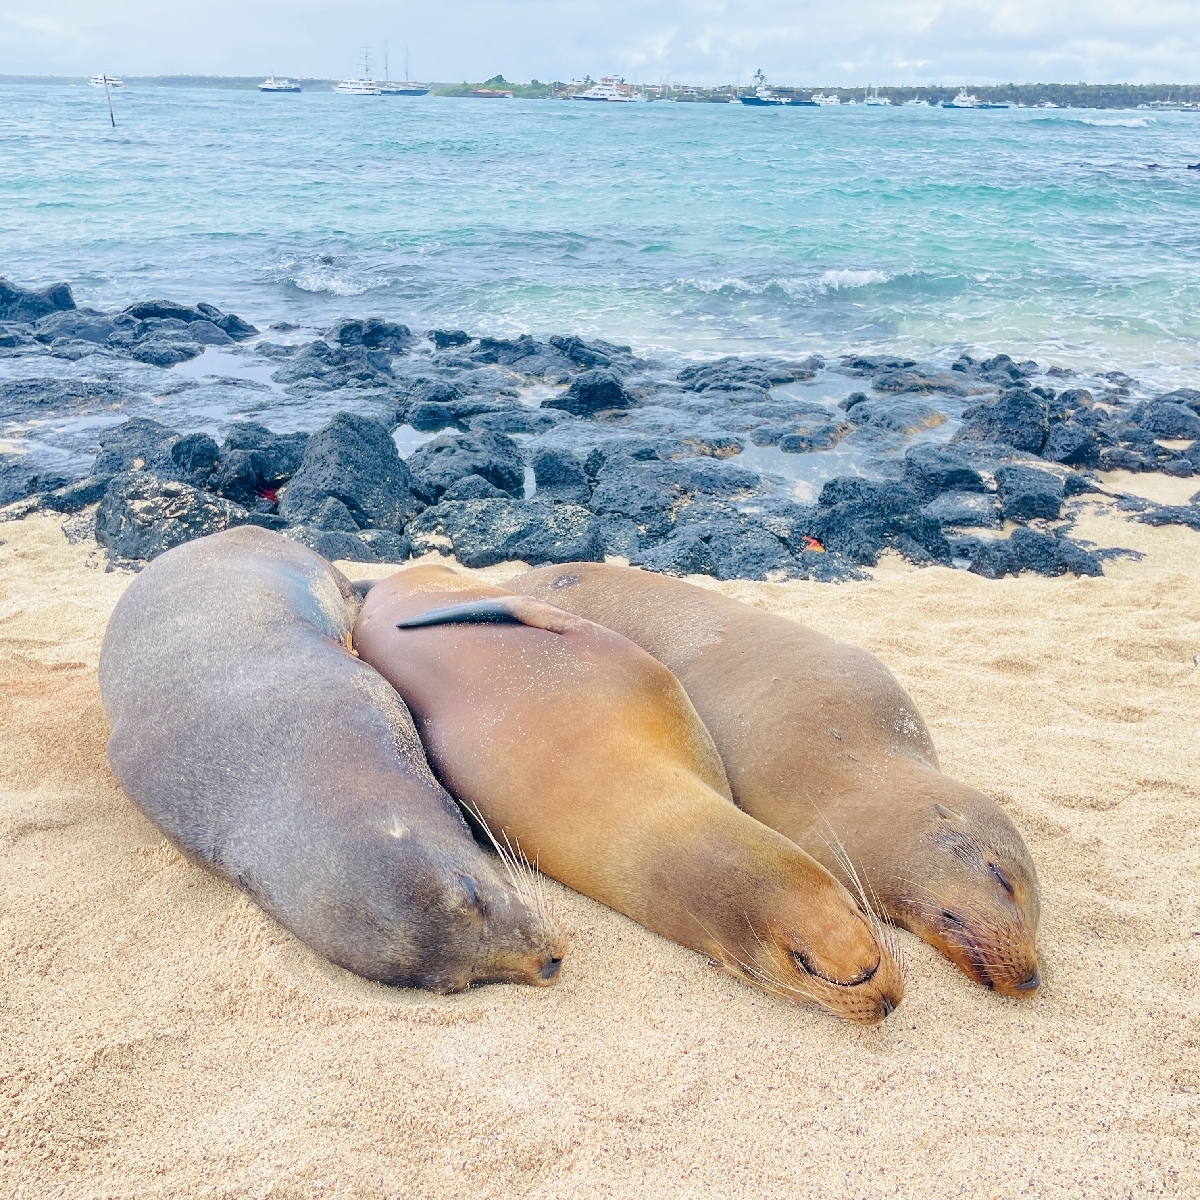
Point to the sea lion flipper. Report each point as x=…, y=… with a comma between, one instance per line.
x=511, y=610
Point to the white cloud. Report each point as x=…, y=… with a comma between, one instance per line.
x=793, y=41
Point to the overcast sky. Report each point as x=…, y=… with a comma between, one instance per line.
x=702, y=41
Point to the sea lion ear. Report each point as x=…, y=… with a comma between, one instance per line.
x=471, y=893
x=504, y=610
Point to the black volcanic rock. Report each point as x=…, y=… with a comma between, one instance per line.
x=247, y=475
x=1026, y=493
x=1172, y=514
x=1073, y=445
x=1019, y=418
x=1187, y=396
x=320, y=365
x=560, y=477
x=588, y=355
x=721, y=543
x=141, y=516
x=929, y=469
x=353, y=459
x=195, y=457
x=373, y=334
x=979, y=510
x=634, y=483
x=27, y=305
x=592, y=392
x=482, y=533
x=333, y=544
x=282, y=452
x=808, y=439
x=921, y=383
x=1166, y=419
x=1029, y=550
x=438, y=464
x=139, y=444
x=474, y=487
x=443, y=339
x=869, y=364
x=168, y=310
x=80, y=325
x=860, y=519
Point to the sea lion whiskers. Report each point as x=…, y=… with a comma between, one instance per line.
x=874, y=909
x=775, y=984
x=516, y=865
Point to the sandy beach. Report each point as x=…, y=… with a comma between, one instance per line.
x=160, y=1037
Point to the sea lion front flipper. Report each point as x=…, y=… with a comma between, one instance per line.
x=501, y=610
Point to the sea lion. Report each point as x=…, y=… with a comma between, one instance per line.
x=823, y=744
x=244, y=728
x=586, y=753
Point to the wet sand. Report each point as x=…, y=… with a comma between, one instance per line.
x=159, y=1036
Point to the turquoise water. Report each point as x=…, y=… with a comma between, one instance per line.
x=678, y=228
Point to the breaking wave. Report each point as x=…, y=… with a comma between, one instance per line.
x=794, y=287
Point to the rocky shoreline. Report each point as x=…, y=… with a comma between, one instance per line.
x=565, y=449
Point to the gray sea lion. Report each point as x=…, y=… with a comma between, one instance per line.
x=583, y=750
x=821, y=743
x=244, y=728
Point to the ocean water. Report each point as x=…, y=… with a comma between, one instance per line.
x=683, y=230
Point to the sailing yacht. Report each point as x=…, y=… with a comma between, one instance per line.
x=875, y=100
x=390, y=87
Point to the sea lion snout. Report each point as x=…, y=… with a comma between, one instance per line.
x=841, y=961
x=980, y=905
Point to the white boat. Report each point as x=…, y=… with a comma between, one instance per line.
x=963, y=100
x=357, y=87
x=111, y=81
x=916, y=102
x=610, y=90
x=273, y=83
x=875, y=100
x=362, y=85
x=821, y=98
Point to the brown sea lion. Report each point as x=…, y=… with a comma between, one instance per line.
x=821, y=743
x=583, y=750
x=244, y=728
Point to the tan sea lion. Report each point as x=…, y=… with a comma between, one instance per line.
x=244, y=728
x=821, y=743
x=584, y=750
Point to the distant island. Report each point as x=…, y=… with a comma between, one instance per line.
x=1062, y=95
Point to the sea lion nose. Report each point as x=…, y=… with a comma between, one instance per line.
x=550, y=968
x=888, y=1006
x=1032, y=983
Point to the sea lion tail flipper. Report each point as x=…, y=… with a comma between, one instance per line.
x=510, y=610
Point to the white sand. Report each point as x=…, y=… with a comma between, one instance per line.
x=159, y=1036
